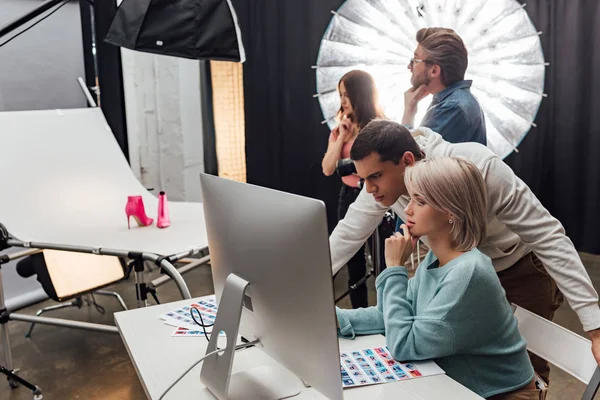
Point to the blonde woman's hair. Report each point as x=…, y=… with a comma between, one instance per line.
x=453, y=185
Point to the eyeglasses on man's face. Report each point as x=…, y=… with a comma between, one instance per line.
x=417, y=60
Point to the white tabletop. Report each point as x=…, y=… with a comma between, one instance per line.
x=160, y=359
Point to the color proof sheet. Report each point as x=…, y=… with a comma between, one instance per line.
x=182, y=320
x=376, y=365
x=184, y=332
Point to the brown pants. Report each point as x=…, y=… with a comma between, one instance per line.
x=529, y=392
x=527, y=284
x=522, y=394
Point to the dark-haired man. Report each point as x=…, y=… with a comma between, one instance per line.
x=534, y=258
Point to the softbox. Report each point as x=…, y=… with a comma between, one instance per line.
x=196, y=29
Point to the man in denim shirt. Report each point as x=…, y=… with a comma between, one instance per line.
x=438, y=67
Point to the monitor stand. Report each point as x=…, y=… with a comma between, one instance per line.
x=263, y=382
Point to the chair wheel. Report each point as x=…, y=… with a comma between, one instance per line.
x=13, y=384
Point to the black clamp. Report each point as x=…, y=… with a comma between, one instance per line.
x=159, y=261
x=152, y=290
x=4, y=316
x=4, y=236
x=138, y=260
x=142, y=288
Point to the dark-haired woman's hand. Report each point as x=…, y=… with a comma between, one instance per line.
x=346, y=129
x=335, y=133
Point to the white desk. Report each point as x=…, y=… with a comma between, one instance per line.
x=160, y=359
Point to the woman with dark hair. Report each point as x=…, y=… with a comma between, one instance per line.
x=359, y=104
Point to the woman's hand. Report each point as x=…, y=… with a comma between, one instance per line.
x=336, y=131
x=334, y=152
x=398, y=247
x=339, y=135
x=345, y=129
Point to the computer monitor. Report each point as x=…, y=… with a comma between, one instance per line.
x=277, y=244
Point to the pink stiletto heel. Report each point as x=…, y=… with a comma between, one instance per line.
x=135, y=209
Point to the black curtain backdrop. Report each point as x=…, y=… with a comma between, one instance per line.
x=110, y=73
x=209, y=141
x=560, y=159
x=85, y=11
x=285, y=140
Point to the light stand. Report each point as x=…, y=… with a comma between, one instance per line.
x=13, y=379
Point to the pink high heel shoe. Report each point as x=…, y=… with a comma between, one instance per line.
x=163, y=211
x=135, y=209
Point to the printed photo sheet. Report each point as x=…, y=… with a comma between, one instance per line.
x=183, y=322
x=376, y=365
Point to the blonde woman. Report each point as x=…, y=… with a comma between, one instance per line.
x=454, y=310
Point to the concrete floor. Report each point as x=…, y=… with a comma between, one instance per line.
x=74, y=364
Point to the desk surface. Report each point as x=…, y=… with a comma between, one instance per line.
x=160, y=359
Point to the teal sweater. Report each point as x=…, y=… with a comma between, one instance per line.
x=456, y=315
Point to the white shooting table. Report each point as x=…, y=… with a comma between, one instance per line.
x=66, y=183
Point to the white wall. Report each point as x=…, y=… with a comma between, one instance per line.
x=164, y=122
x=39, y=69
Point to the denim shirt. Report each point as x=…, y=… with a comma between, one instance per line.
x=455, y=114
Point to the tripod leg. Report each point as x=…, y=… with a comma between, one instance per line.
x=12, y=377
x=154, y=295
x=113, y=294
x=50, y=308
x=8, y=355
x=4, y=318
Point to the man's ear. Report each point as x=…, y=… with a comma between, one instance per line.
x=408, y=159
x=435, y=71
